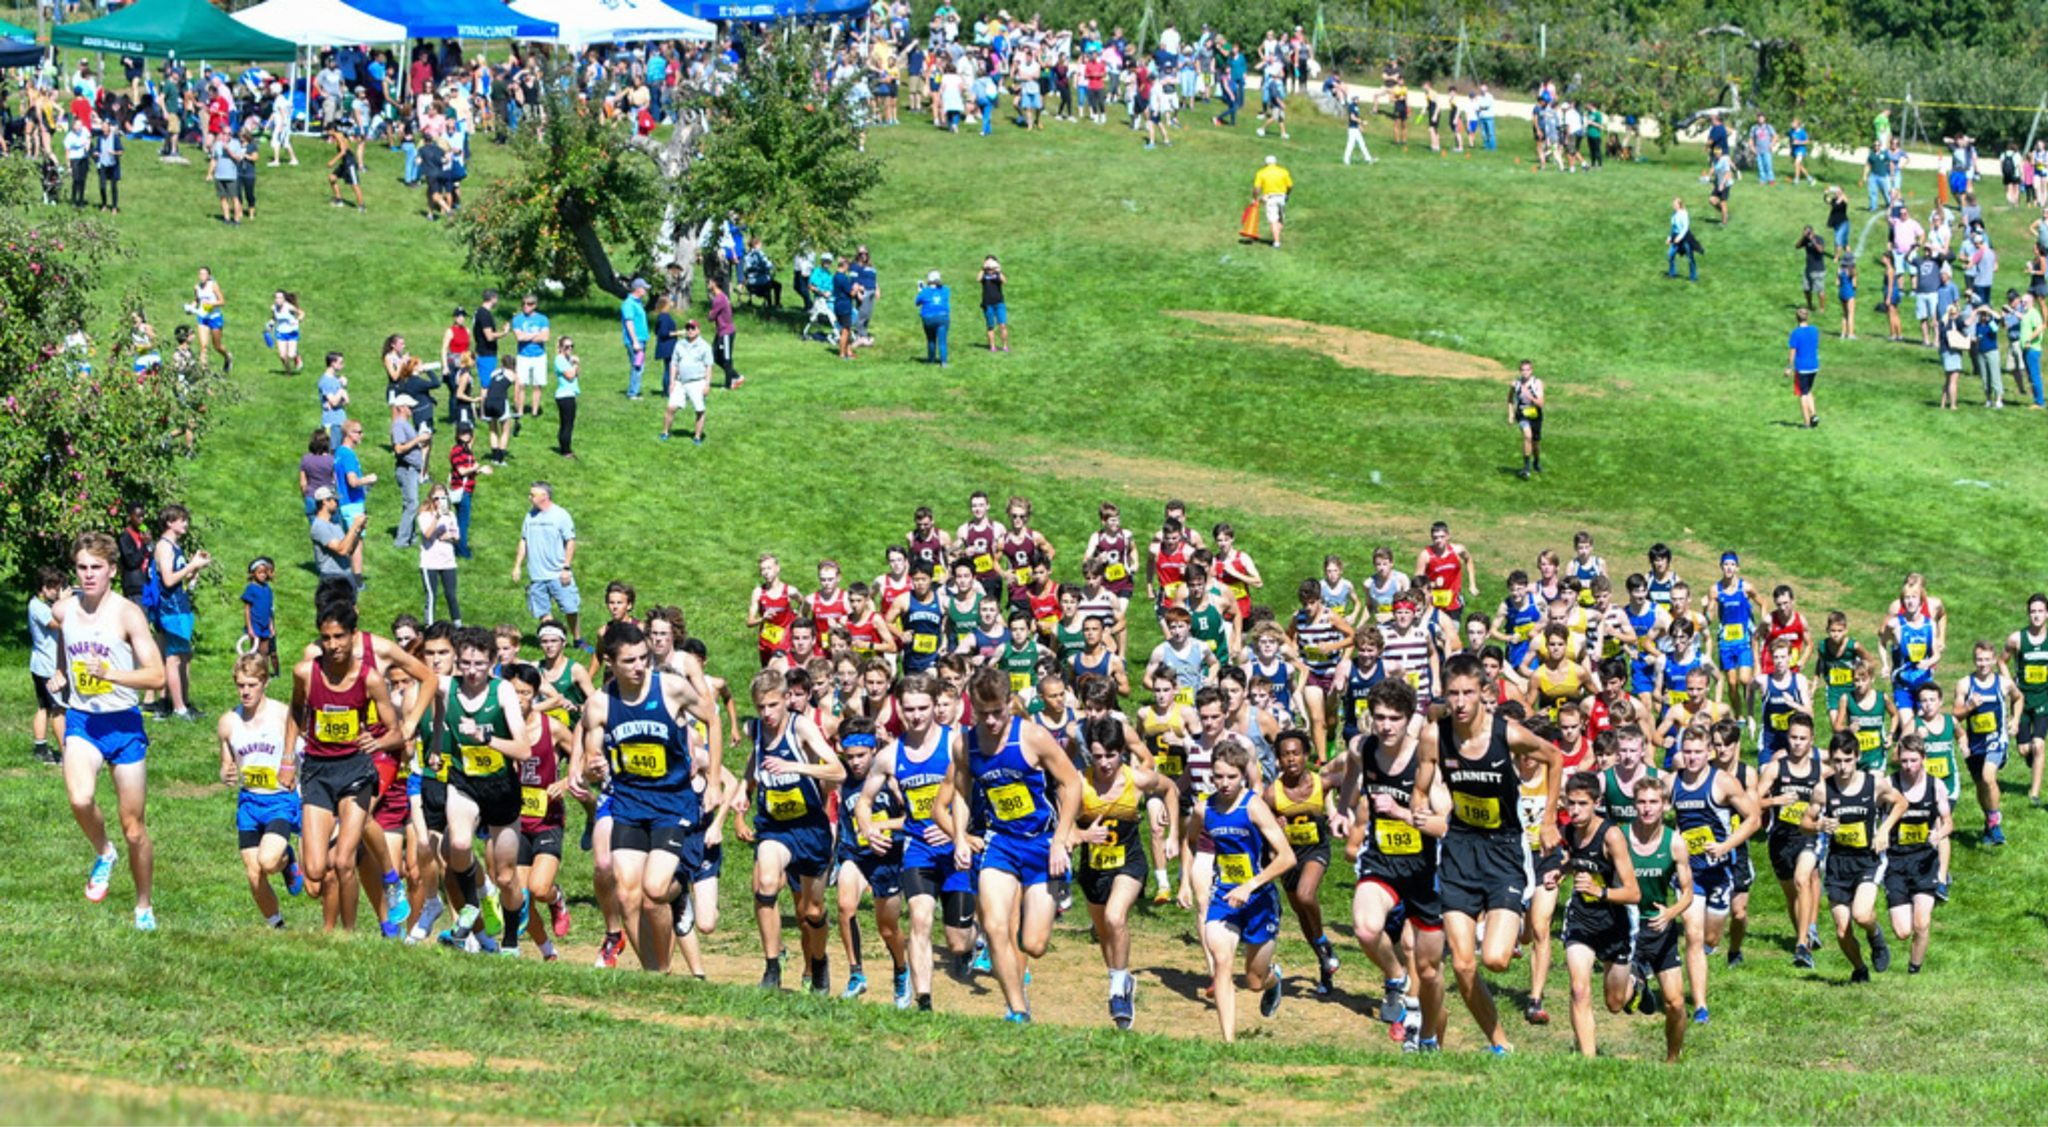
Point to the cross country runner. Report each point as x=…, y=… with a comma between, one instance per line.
x=1305, y=801
x=870, y=859
x=1987, y=705
x=253, y=760
x=1788, y=785
x=1912, y=864
x=1938, y=732
x=1109, y=867
x=331, y=701
x=482, y=716
x=1846, y=808
x=1485, y=871
x=1007, y=766
x=1597, y=914
x=541, y=818
x=2026, y=653
x=1664, y=877
x=109, y=656
x=1715, y=815
x=1252, y=855
x=788, y=772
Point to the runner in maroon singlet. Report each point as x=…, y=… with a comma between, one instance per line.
x=976, y=543
x=541, y=815
x=331, y=701
x=1114, y=545
x=1026, y=553
x=926, y=541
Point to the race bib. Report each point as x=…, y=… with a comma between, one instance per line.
x=1116, y=573
x=646, y=760
x=1106, y=856
x=1839, y=677
x=1240, y=592
x=1020, y=682
x=1048, y=623
x=1011, y=802
x=1855, y=835
x=559, y=716
x=336, y=727
x=1175, y=592
x=784, y=805
x=984, y=563
x=1916, y=652
x=1171, y=763
x=1234, y=868
x=772, y=635
x=925, y=644
x=1396, y=839
x=1599, y=884
x=1698, y=838
x=1791, y=814
x=1780, y=721
x=1184, y=696
x=1302, y=830
x=481, y=760
x=87, y=685
x=1023, y=576
x=259, y=778
x=1912, y=833
x=1983, y=723
x=1475, y=811
x=2035, y=675
x=533, y=802
x=1937, y=768
x=922, y=800
x=1530, y=411
x=1442, y=598
x=1731, y=633
x=1677, y=697
x=1868, y=739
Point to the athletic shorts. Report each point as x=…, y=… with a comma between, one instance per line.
x=1657, y=950
x=546, y=843
x=1910, y=873
x=652, y=835
x=1846, y=871
x=434, y=803
x=884, y=874
x=1976, y=760
x=1416, y=896
x=1304, y=854
x=177, y=632
x=393, y=806
x=1745, y=872
x=710, y=862
x=1255, y=923
x=118, y=736
x=1785, y=849
x=1542, y=865
x=496, y=796
x=1531, y=422
x=1603, y=929
x=810, y=848
x=46, y=701
x=1097, y=883
x=260, y=814
x=2033, y=724
x=1023, y=858
x=532, y=371
x=1713, y=884
x=1802, y=382
x=1742, y=655
x=327, y=782
x=1482, y=873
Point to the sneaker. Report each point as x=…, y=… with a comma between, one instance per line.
x=1734, y=959
x=1802, y=957
x=1015, y=1018
x=771, y=978
x=102, y=873
x=981, y=964
x=389, y=928
x=1941, y=891
x=661, y=437
x=494, y=917
x=686, y=916
x=1121, y=1010
x=482, y=944
x=903, y=995
x=1326, y=968
x=1699, y=1015
x=1393, y=1010
x=558, y=913
x=608, y=951
x=510, y=952
x=1653, y=998
x=1065, y=902
x=1536, y=1014
x=856, y=985
x=1995, y=835
x=294, y=880
x=1859, y=975
x=1636, y=985
x=1880, y=953
x=145, y=919
x=400, y=906
x=1269, y=999
x=1501, y=1050
x=1813, y=937
x=1161, y=898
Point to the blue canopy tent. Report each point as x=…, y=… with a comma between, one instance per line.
x=458, y=19
x=772, y=11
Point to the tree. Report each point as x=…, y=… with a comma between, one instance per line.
x=75, y=444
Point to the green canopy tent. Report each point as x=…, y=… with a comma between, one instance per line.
x=10, y=31
x=165, y=28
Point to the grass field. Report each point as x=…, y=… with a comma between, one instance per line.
x=1669, y=421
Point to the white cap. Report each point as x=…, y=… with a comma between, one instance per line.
x=1271, y=159
x=932, y=277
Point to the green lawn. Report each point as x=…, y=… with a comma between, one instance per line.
x=1669, y=421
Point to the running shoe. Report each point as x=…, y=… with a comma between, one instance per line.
x=400, y=906
x=1812, y=936
x=102, y=874
x=482, y=944
x=686, y=917
x=1269, y=999
x=1941, y=891
x=608, y=951
x=1880, y=953
x=389, y=928
x=1699, y=1015
x=1995, y=835
x=856, y=985
x=549, y=956
x=771, y=978
x=981, y=964
x=1501, y=1050
x=1653, y=998
x=1535, y=1014
x=1802, y=957
x=1393, y=1010
x=1734, y=959
x=145, y=919
x=1859, y=975
x=1162, y=898
x=294, y=880
x=558, y=910
x=1016, y=1018
x=510, y=952
x=494, y=917
x=1121, y=1010
x=903, y=995
x=1326, y=968
x=1636, y=984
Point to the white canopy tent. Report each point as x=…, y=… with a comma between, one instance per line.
x=583, y=22
x=319, y=23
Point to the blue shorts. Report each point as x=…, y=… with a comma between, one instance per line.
x=997, y=314
x=215, y=321
x=1030, y=100
x=118, y=736
x=347, y=513
x=1714, y=884
x=1255, y=923
x=540, y=593
x=604, y=808
x=1025, y=858
x=257, y=813
x=709, y=861
x=883, y=874
x=292, y=337
x=1642, y=678
x=1903, y=695
x=177, y=632
x=1976, y=758
x=485, y=365
x=1738, y=655
x=810, y=847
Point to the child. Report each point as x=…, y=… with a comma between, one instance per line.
x=257, y=601
x=42, y=664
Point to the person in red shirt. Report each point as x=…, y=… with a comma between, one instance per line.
x=1447, y=568
x=1785, y=622
x=217, y=109
x=463, y=471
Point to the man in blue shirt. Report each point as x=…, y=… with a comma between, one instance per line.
x=1803, y=364
x=843, y=301
x=864, y=310
x=633, y=329
x=530, y=329
x=935, y=309
x=1681, y=242
x=352, y=488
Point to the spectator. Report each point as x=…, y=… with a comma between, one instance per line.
x=994, y=313
x=757, y=271
x=530, y=329
x=2031, y=327
x=935, y=309
x=174, y=614
x=259, y=619
x=723, y=328
x=1981, y=266
x=633, y=330
x=352, y=486
x=1952, y=335
x=316, y=467
x=409, y=445
x=334, y=546
x=1838, y=215
x=78, y=151
x=1762, y=139
x=1984, y=355
x=845, y=297
x=463, y=472
x=134, y=545
x=498, y=415
x=864, y=305
x=1927, y=271
x=227, y=178
x=1803, y=364
x=107, y=154
x=42, y=663
x=547, y=544
x=484, y=336
x=333, y=389
x=568, y=391
x=1681, y=241
x=1816, y=275
x=1482, y=114
x=439, y=531
x=665, y=336
x=691, y=372
x=1877, y=168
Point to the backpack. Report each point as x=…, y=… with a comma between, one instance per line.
x=152, y=597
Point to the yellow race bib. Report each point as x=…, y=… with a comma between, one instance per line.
x=1912, y=833
x=2035, y=675
x=1868, y=739
x=1175, y=592
x=1302, y=830
x=1791, y=813
x=1781, y=721
x=1697, y=839
x=1170, y=763
x=924, y=644
x=1530, y=411
x=1395, y=838
x=1019, y=682
x=87, y=685
x=1184, y=697
x=984, y=563
x=1916, y=652
x=340, y=726
x=1475, y=811
x=1234, y=868
x=786, y=805
x=478, y=760
x=559, y=716
x=1937, y=768
x=1107, y=856
x=645, y=760
x=1116, y=573
x=771, y=634
x=1731, y=633
x=1983, y=723
x=1240, y=591
x=922, y=800
x=1011, y=802
x=533, y=802
x=1441, y=597
x=1840, y=676
x=259, y=778
x=1855, y=835
x=1599, y=883
x=1023, y=576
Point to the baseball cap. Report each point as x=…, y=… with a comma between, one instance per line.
x=324, y=493
x=639, y=284
x=932, y=277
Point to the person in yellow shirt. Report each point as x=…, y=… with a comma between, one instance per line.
x=1272, y=185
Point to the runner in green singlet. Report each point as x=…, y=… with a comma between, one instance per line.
x=962, y=599
x=1868, y=713
x=1834, y=660
x=1664, y=878
x=2026, y=653
x=1019, y=656
x=1212, y=623
x=1936, y=729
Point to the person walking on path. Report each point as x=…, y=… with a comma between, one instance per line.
x=724, y=331
x=935, y=309
x=1273, y=186
x=995, y=314
x=1681, y=241
x=633, y=330
x=547, y=541
x=1803, y=364
x=1525, y=410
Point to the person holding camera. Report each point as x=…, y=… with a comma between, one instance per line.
x=439, y=531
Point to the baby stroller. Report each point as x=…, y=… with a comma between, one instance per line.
x=820, y=312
